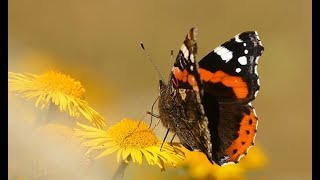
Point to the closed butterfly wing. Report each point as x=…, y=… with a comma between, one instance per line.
x=180, y=105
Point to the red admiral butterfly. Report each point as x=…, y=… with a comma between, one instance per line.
x=208, y=104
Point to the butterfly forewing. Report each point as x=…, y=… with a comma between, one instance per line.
x=180, y=105
x=229, y=72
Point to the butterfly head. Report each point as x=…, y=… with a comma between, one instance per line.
x=162, y=86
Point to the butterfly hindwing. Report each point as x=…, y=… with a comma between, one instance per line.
x=232, y=127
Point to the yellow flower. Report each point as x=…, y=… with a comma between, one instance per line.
x=57, y=88
x=131, y=139
x=255, y=159
x=199, y=167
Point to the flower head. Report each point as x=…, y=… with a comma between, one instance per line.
x=130, y=139
x=57, y=88
x=199, y=167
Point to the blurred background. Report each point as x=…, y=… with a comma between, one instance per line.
x=97, y=43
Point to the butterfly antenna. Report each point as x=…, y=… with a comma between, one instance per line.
x=149, y=58
x=171, y=55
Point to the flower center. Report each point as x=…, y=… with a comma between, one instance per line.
x=132, y=134
x=54, y=82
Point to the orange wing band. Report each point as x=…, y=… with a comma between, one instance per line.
x=238, y=86
x=184, y=76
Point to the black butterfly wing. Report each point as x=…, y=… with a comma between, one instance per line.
x=230, y=83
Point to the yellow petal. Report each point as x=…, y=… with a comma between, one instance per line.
x=119, y=154
x=126, y=153
x=149, y=157
x=136, y=154
x=40, y=98
x=97, y=142
x=90, y=135
x=48, y=97
x=107, y=152
x=89, y=128
x=160, y=163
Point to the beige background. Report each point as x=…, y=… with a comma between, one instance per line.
x=97, y=42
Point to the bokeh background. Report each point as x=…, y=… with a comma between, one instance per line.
x=97, y=42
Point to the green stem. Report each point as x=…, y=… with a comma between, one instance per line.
x=120, y=171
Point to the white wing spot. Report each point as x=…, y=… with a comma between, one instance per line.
x=231, y=162
x=217, y=49
x=246, y=51
x=254, y=112
x=181, y=63
x=185, y=51
x=191, y=68
x=256, y=33
x=242, y=60
x=238, y=39
x=192, y=58
x=256, y=69
x=256, y=93
x=257, y=59
x=241, y=156
x=224, y=53
x=244, y=44
x=238, y=70
x=254, y=137
x=258, y=81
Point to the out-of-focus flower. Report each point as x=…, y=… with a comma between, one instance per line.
x=255, y=159
x=130, y=139
x=64, y=136
x=199, y=167
x=54, y=88
x=60, y=133
x=37, y=153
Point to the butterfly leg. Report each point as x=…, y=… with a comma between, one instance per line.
x=156, y=125
x=165, y=137
x=156, y=116
x=172, y=139
x=151, y=113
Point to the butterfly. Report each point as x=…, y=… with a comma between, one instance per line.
x=208, y=104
